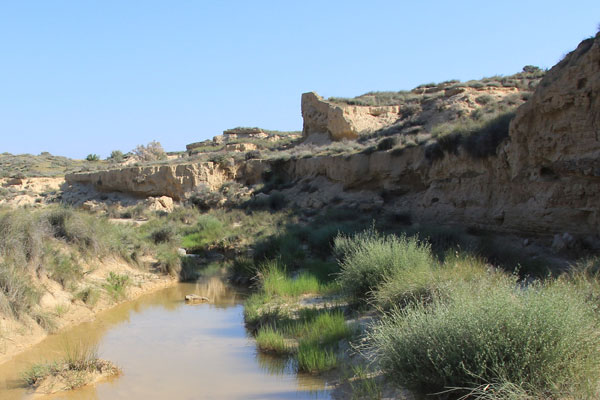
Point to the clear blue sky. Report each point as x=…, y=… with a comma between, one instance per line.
x=80, y=77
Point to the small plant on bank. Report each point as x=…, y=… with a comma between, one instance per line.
x=92, y=157
x=44, y=319
x=116, y=285
x=65, y=270
x=88, y=295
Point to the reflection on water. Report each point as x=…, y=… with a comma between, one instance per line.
x=168, y=349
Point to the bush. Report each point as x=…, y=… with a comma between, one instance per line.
x=164, y=234
x=169, y=260
x=387, y=143
x=368, y=258
x=425, y=282
x=88, y=295
x=484, y=99
x=153, y=151
x=116, y=156
x=484, y=141
x=541, y=340
x=479, y=136
x=92, y=157
x=65, y=270
x=285, y=246
x=17, y=294
x=22, y=236
x=205, y=199
x=88, y=233
x=252, y=155
x=44, y=319
x=207, y=231
x=116, y=285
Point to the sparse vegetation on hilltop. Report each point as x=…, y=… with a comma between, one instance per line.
x=44, y=165
x=525, y=80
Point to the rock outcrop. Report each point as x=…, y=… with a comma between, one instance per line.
x=240, y=139
x=172, y=180
x=342, y=121
x=415, y=111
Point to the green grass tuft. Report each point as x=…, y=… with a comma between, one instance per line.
x=271, y=341
x=314, y=358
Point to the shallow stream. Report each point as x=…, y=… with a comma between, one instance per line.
x=171, y=350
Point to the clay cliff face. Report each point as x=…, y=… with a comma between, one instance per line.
x=544, y=178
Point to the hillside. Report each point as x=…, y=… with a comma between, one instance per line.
x=472, y=167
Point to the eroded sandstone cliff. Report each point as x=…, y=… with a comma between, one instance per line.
x=543, y=179
x=173, y=180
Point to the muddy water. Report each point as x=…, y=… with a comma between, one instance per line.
x=170, y=350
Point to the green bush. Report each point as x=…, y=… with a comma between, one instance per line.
x=92, y=157
x=243, y=268
x=541, y=340
x=85, y=231
x=368, y=258
x=261, y=309
x=425, y=282
x=324, y=327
